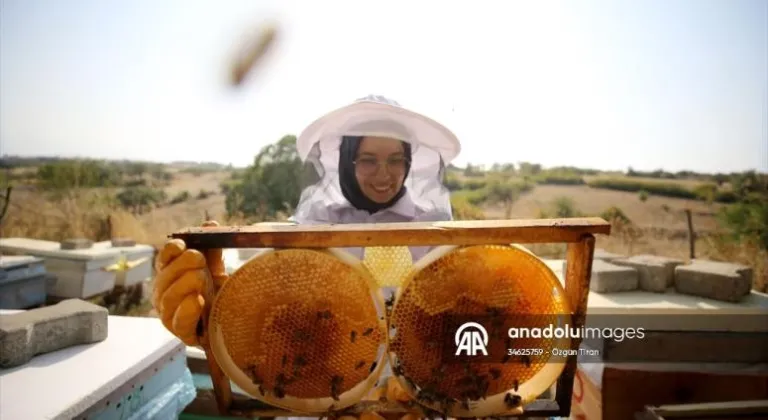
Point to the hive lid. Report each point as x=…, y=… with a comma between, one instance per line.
x=8, y=262
x=108, y=245
x=51, y=249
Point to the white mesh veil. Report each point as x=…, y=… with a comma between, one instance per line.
x=433, y=147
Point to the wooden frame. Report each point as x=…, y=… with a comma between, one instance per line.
x=577, y=233
x=754, y=409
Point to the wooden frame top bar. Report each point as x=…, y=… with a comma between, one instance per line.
x=464, y=232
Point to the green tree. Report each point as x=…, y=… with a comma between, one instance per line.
x=271, y=185
x=747, y=219
x=140, y=199
x=504, y=192
x=66, y=175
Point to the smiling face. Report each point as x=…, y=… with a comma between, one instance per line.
x=380, y=168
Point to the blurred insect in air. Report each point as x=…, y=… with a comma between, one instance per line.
x=253, y=52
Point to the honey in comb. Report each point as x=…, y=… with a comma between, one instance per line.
x=388, y=264
x=280, y=328
x=476, y=282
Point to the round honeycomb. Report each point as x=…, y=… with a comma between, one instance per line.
x=498, y=287
x=300, y=329
x=389, y=265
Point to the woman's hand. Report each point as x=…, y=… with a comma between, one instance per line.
x=179, y=284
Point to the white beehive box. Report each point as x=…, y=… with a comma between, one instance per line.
x=136, y=264
x=141, y=374
x=23, y=281
x=80, y=273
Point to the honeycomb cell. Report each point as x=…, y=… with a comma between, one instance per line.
x=299, y=328
x=500, y=287
x=389, y=265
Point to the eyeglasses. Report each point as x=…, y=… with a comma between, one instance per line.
x=370, y=165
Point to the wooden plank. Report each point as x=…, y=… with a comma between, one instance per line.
x=464, y=232
x=221, y=384
x=758, y=408
x=252, y=409
x=205, y=404
x=578, y=273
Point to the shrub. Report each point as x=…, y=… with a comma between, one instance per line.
x=664, y=189
x=560, y=207
x=180, y=197
x=558, y=179
x=614, y=214
x=464, y=210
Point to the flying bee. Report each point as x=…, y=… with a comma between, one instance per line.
x=516, y=384
x=367, y=332
x=360, y=364
x=252, y=54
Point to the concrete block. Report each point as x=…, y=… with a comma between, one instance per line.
x=655, y=274
x=601, y=254
x=71, y=322
x=122, y=242
x=715, y=280
x=611, y=278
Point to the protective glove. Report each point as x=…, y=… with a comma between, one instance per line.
x=179, y=284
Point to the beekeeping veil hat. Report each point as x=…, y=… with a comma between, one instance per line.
x=433, y=147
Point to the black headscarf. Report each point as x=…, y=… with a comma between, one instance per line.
x=348, y=181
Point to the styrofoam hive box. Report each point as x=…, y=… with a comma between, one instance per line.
x=80, y=273
x=23, y=281
x=139, y=372
x=138, y=262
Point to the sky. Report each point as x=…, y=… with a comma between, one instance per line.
x=612, y=84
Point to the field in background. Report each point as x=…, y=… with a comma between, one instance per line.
x=148, y=202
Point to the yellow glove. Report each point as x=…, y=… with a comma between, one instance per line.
x=179, y=284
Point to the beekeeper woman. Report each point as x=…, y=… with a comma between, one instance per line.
x=373, y=161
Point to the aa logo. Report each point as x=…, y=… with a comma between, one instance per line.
x=470, y=338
